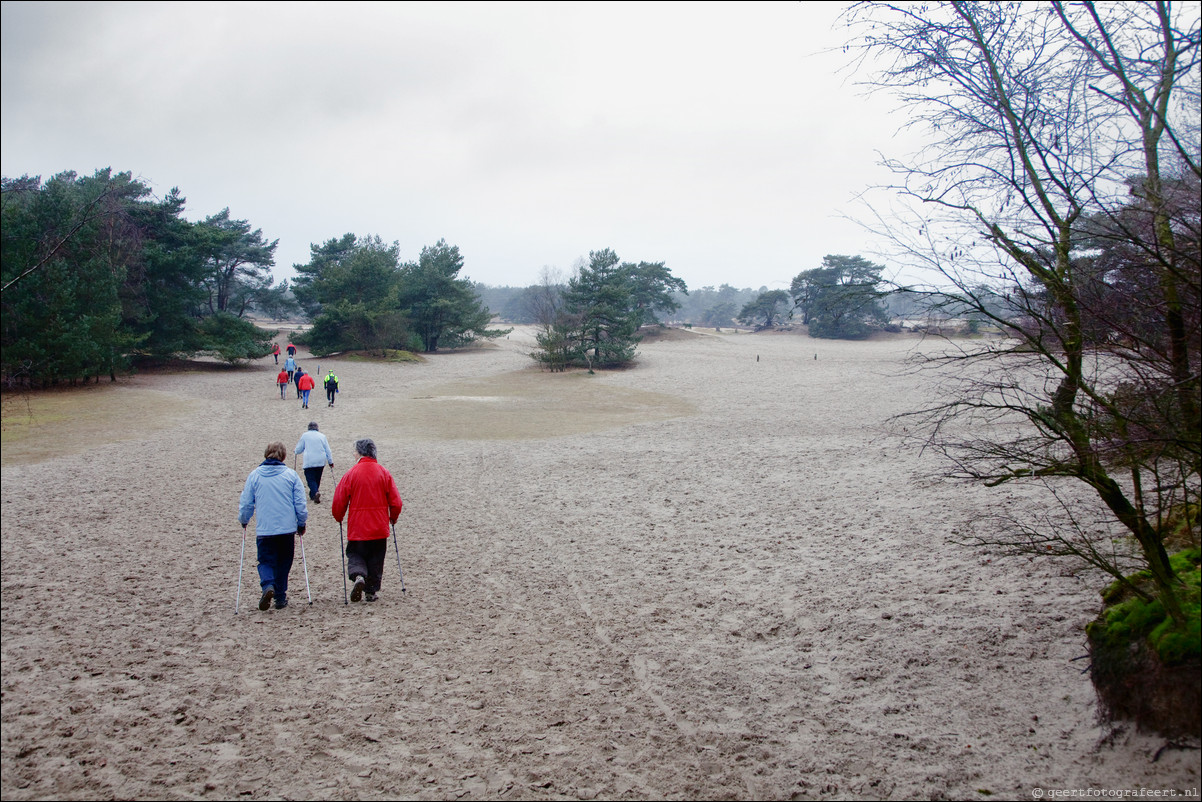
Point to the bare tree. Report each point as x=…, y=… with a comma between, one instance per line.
x=1041, y=196
x=545, y=299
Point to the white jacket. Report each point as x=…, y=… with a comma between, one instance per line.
x=316, y=448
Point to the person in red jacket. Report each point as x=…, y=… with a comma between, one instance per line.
x=370, y=495
x=283, y=381
x=304, y=384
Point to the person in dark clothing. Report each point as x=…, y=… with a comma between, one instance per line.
x=331, y=385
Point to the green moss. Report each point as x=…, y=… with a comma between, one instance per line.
x=1128, y=619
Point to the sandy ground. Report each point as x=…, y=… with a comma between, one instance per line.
x=715, y=575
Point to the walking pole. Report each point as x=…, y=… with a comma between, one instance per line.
x=306, y=565
x=342, y=551
x=398, y=559
x=238, y=597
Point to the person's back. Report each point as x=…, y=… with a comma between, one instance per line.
x=316, y=448
x=371, y=495
x=273, y=496
x=368, y=498
x=270, y=495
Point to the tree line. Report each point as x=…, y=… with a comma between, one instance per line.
x=846, y=297
x=98, y=273
x=359, y=295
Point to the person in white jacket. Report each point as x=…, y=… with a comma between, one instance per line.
x=316, y=448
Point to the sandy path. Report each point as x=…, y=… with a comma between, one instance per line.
x=734, y=586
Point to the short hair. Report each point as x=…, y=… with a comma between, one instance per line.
x=275, y=451
x=365, y=448
x=313, y=425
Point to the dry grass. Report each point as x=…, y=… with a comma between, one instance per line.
x=46, y=424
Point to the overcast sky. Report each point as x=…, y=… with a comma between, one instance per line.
x=719, y=138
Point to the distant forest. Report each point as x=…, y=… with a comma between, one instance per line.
x=515, y=304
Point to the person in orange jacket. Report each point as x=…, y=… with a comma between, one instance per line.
x=283, y=381
x=305, y=383
x=368, y=492
x=275, y=351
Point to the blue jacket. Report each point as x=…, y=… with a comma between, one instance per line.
x=316, y=448
x=274, y=492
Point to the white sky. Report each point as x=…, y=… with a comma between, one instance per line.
x=719, y=138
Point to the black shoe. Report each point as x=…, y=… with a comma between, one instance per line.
x=370, y=597
x=265, y=600
x=357, y=590
x=281, y=603
x=317, y=497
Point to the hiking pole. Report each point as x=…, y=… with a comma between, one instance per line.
x=398, y=559
x=238, y=597
x=342, y=551
x=306, y=565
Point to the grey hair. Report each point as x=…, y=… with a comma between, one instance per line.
x=365, y=447
x=313, y=425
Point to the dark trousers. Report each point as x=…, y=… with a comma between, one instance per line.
x=275, y=561
x=313, y=478
x=365, y=558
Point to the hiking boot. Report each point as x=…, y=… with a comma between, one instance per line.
x=265, y=599
x=370, y=597
x=357, y=591
x=317, y=497
x=281, y=603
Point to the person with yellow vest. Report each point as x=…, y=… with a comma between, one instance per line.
x=331, y=385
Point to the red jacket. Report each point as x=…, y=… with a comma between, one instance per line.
x=282, y=378
x=374, y=502
x=306, y=383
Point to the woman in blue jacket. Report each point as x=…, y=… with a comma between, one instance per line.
x=274, y=493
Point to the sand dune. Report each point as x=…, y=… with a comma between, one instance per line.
x=714, y=575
